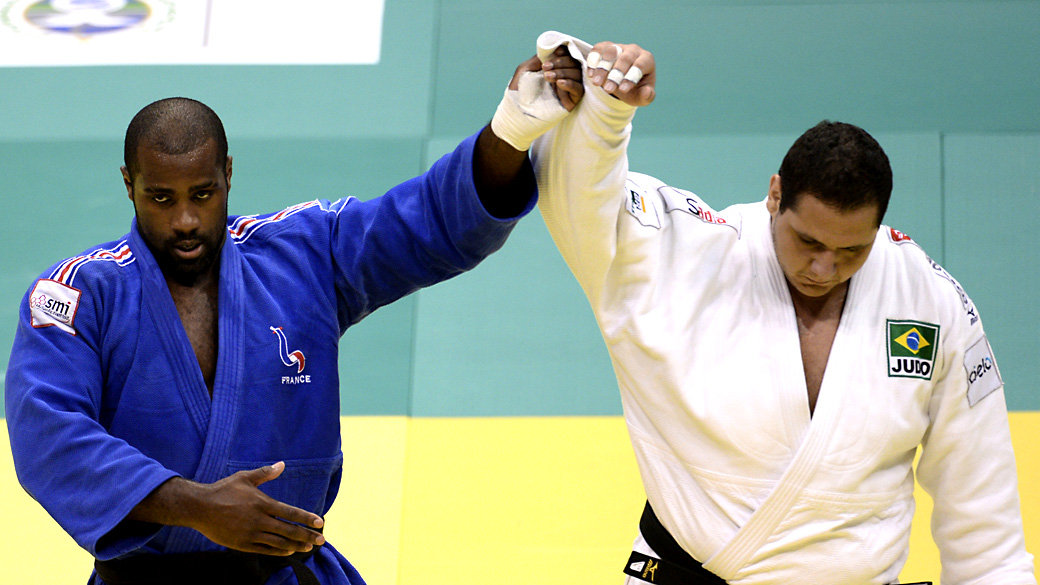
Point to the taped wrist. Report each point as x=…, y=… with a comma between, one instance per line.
x=526, y=113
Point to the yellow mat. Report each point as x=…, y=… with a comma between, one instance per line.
x=449, y=501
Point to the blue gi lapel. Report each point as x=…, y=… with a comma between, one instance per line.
x=183, y=364
x=226, y=388
x=214, y=419
x=230, y=364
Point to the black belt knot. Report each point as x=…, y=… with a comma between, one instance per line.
x=675, y=567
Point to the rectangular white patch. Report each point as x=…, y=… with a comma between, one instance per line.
x=642, y=207
x=981, y=369
x=54, y=304
x=688, y=202
x=189, y=32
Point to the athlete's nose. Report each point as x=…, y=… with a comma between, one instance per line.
x=185, y=219
x=823, y=265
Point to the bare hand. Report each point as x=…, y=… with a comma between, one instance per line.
x=233, y=513
x=240, y=516
x=633, y=93
x=563, y=73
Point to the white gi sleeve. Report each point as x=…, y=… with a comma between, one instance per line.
x=968, y=467
x=581, y=167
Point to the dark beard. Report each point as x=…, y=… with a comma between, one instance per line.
x=185, y=272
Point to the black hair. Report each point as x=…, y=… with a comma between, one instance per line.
x=175, y=125
x=839, y=164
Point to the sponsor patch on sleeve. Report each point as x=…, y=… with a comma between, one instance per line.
x=981, y=369
x=642, y=207
x=688, y=202
x=969, y=307
x=54, y=304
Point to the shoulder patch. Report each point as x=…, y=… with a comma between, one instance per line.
x=969, y=307
x=688, y=202
x=641, y=205
x=981, y=368
x=898, y=237
x=53, y=304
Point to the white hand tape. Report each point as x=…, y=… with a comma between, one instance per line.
x=608, y=64
x=635, y=74
x=616, y=76
x=528, y=112
x=550, y=39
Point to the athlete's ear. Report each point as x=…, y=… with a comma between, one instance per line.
x=127, y=182
x=227, y=173
x=773, y=200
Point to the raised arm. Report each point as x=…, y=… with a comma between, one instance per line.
x=582, y=166
x=501, y=170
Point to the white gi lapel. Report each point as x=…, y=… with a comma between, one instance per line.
x=764, y=521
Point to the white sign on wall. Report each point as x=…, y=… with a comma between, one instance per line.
x=190, y=32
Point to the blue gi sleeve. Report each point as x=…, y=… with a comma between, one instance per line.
x=421, y=232
x=84, y=477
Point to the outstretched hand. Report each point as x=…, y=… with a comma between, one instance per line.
x=627, y=72
x=242, y=517
x=234, y=513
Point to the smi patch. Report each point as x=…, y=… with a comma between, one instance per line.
x=54, y=304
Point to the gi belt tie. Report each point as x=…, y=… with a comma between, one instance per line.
x=225, y=567
x=675, y=567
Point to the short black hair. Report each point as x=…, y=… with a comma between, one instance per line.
x=176, y=125
x=839, y=164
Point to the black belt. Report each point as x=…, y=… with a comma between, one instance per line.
x=226, y=567
x=675, y=567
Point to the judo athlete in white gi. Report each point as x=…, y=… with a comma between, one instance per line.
x=779, y=362
x=173, y=397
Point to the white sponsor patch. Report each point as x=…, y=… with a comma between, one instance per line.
x=981, y=369
x=637, y=567
x=54, y=304
x=642, y=207
x=688, y=202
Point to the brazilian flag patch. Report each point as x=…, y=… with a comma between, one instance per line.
x=911, y=349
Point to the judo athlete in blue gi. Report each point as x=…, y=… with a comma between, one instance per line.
x=172, y=396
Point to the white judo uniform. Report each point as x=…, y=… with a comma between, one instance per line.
x=696, y=314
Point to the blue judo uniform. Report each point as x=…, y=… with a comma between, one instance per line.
x=105, y=399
